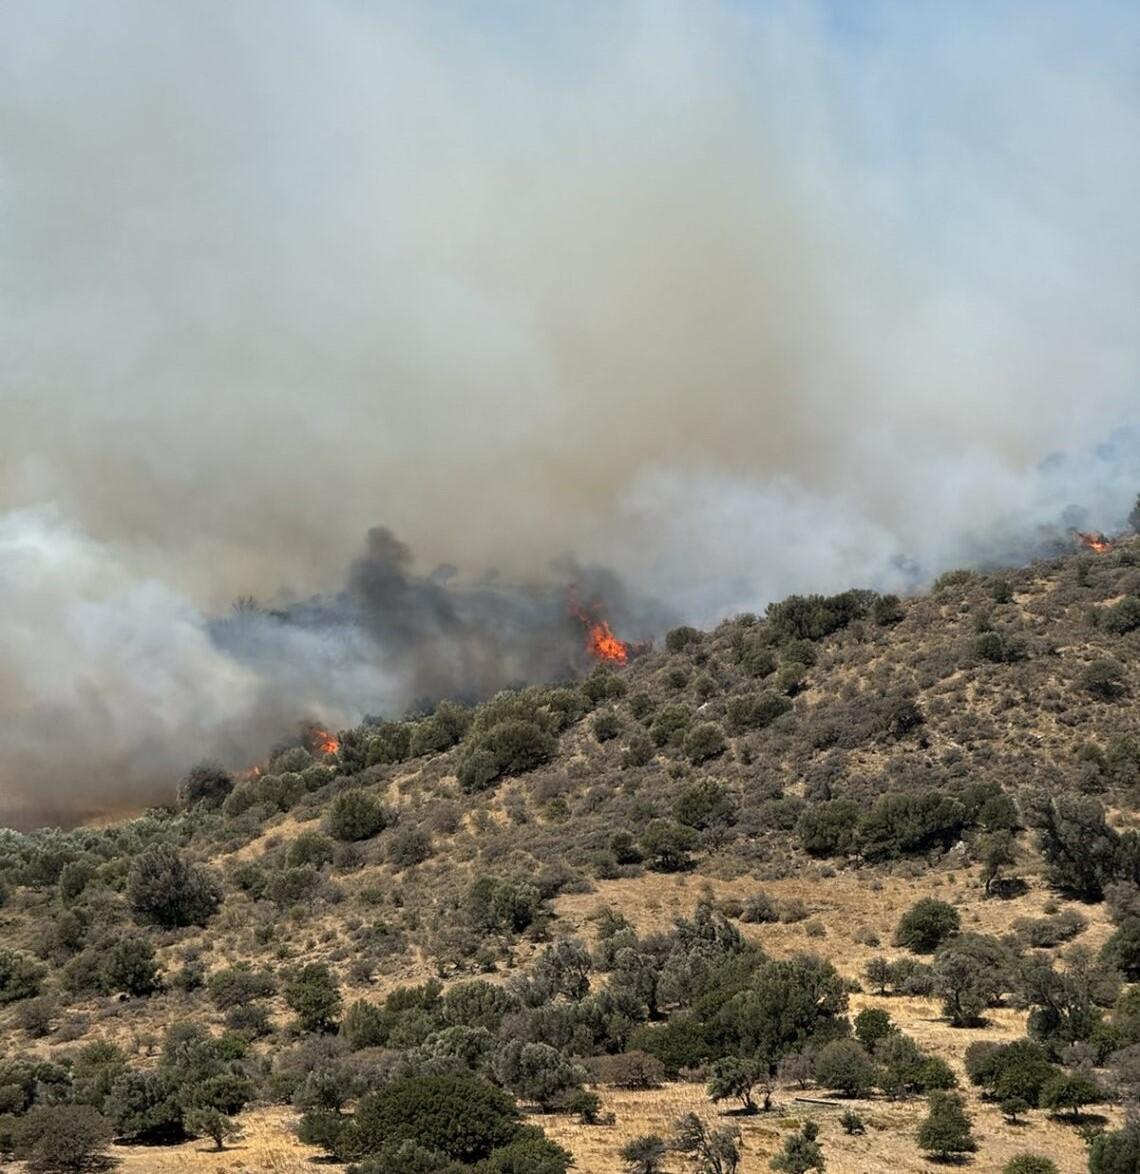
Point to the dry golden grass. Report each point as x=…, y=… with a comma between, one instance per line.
x=268, y=1143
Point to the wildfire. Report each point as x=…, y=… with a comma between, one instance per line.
x=322, y=742
x=604, y=645
x=601, y=643
x=1094, y=540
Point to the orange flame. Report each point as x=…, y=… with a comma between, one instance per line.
x=601, y=643
x=1094, y=540
x=322, y=742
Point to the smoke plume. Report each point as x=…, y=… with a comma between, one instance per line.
x=734, y=299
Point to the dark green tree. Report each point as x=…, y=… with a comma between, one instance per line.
x=946, y=1130
x=926, y=925
x=313, y=993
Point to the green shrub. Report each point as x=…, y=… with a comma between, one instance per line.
x=755, y=711
x=801, y=1152
x=207, y=785
x=812, y=617
x=679, y=639
x=165, y=888
x=477, y=770
x=852, y=1123
x=461, y=1117
x=535, y=1072
x=606, y=725
x=670, y=725
x=704, y=741
x=638, y=752
x=234, y=986
x=439, y=732
x=409, y=847
x=1018, y=1070
x=666, y=845
x=270, y=792
x=386, y=743
x=55, y=1138
x=20, y=976
x=1116, y=1152
x=310, y=847
x=313, y=994
x=1029, y=1164
x=926, y=925
x=1122, y=617
x=759, y=908
x=887, y=610
x=703, y=803
x=1104, y=679
x=1070, y=1091
x=845, y=1066
x=946, y=1130
x=645, y=1154
x=291, y=885
x=831, y=828
x=511, y=747
x=354, y=815
x=912, y=821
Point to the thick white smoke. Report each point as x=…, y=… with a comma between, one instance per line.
x=667, y=285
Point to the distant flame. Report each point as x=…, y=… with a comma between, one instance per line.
x=322, y=742
x=254, y=772
x=601, y=643
x=1094, y=540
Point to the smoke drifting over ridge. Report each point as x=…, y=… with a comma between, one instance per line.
x=667, y=286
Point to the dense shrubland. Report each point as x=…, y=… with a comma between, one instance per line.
x=984, y=726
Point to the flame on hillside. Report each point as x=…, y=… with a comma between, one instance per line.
x=322, y=742
x=1094, y=540
x=601, y=643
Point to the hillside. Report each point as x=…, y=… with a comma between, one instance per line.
x=687, y=869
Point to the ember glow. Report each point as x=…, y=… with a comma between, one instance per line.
x=1094, y=540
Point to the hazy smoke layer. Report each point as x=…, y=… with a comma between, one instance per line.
x=736, y=299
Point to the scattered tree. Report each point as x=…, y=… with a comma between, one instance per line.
x=946, y=1130
x=731, y=1076
x=801, y=1151
x=209, y=1122
x=926, y=925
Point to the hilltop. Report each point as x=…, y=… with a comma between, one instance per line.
x=599, y=899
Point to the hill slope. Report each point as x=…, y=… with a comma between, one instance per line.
x=629, y=861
